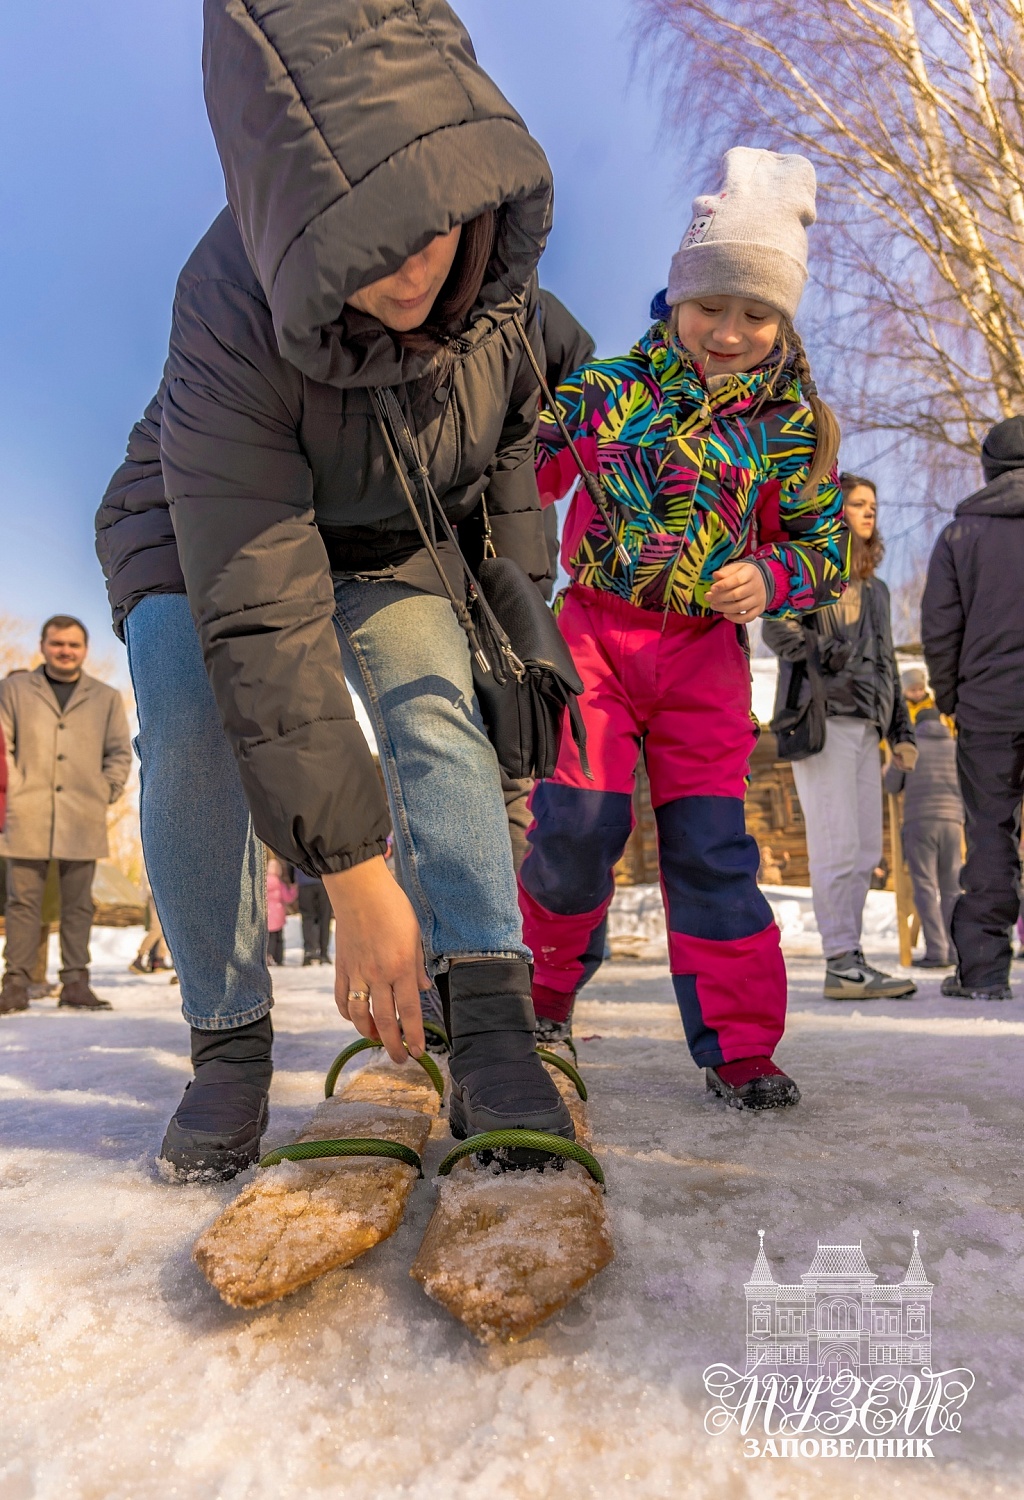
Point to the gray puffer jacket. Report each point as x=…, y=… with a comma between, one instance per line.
x=351, y=133
x=931, y=791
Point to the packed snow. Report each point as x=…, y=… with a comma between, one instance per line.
x=125, y=1376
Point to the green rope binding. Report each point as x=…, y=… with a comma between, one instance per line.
x=427, y=1063
x=531, y=1140
x=566, y=1067
x=356, y=1146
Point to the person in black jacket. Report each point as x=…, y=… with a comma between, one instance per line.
x=933, y=825
x=972, y=628
x=365, y=246
x=845, y=651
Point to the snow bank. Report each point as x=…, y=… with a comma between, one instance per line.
x=127, y=1379
x=636, y=921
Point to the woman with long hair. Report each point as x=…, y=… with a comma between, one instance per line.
x=386, y=211
x=844, y=653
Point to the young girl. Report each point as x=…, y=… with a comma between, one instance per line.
x=717, y=457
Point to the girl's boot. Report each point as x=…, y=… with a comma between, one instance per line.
x=215, y=1131
x=498, y=1081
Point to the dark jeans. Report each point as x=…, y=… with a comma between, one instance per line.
x=933, y=854
x=26, y=880
x=316, y=920
x=275, y=946
x=991, y=768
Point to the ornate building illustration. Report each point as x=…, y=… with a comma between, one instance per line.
x=839, y=1317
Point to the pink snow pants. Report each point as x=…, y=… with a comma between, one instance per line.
x=680, y=688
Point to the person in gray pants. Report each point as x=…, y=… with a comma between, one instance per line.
x=933, y=819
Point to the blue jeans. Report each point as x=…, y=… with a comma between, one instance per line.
x=407, y=657
x=205, y=864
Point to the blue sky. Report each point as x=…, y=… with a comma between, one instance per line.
x=108, y=176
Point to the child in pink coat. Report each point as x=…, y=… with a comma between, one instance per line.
x=280, y=896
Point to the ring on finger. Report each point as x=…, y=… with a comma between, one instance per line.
x=358, y=995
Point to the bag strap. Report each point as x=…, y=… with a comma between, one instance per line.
x=389, y=413
x=591, y=482
x=393, y=426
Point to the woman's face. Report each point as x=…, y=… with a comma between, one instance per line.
x=728, y=335
x=403, y=300
x=861, y=508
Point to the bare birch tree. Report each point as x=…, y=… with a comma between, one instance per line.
x=913, y=114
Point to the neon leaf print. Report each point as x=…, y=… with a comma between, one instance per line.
x=691, y=465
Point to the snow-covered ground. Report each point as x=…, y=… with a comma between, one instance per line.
x=125, y=1378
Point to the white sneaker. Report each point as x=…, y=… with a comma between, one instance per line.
x=849, y=976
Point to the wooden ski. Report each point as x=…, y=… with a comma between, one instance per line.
x=506, y=1249
x=321, y=1203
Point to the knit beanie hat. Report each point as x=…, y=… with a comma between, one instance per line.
x=1003, y=448
x=750, y=239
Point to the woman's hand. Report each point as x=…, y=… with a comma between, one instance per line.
x=379, y=965
x=905, y=756
x=738, y=592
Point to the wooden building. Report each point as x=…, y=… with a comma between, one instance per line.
x=774, y=817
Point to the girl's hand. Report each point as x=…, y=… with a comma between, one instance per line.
x=379, y=965
x=738, y=592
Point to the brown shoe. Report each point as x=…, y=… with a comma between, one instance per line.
x=14, y=995
x=76, y=995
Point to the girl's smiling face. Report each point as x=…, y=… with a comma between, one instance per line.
x=727, y=335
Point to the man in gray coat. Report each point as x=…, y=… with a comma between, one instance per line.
x=69, y=753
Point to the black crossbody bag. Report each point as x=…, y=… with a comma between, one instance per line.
x=523, y=673
x=800, y=728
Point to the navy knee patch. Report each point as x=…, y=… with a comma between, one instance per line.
x=577, y=838
x=709, y=866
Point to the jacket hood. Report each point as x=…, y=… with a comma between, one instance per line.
x=351, y=132
x=1002, y=496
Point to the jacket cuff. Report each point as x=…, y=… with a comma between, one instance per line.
x=776, y=580
x=333, y=864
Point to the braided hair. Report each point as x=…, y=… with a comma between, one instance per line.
x=793, y=361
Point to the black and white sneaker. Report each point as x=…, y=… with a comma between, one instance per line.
x=849, y=976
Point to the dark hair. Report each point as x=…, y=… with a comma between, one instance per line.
x=456, y=298
x=865, y=556
x=63, y=622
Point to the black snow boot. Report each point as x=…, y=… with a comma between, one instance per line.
x=216, y=1129
x=498, y=1081
x=954, y=988
x=752, y=1083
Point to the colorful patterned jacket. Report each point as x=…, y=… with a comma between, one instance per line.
x=706, y=478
